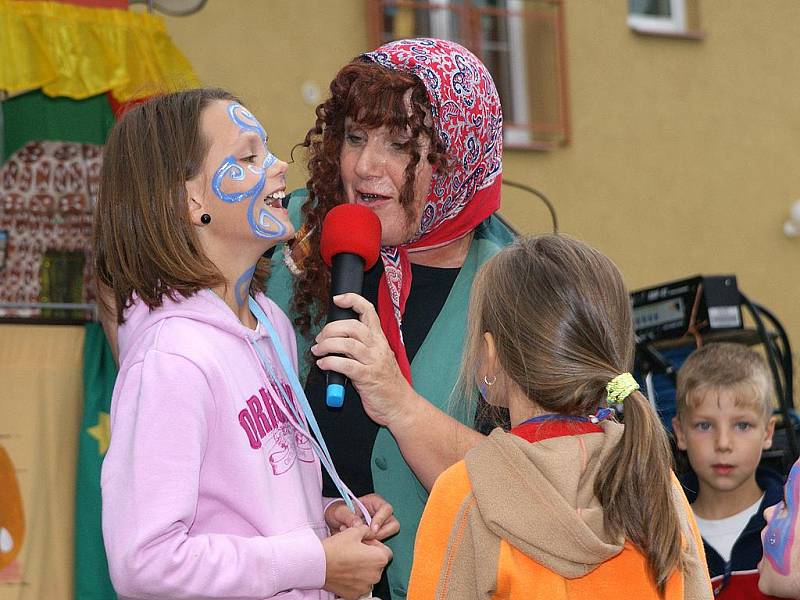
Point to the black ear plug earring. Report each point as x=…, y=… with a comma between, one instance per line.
x=205, y=218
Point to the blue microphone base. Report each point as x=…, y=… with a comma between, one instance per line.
x=334, y=396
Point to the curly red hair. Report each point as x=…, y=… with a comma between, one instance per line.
x=372, y=96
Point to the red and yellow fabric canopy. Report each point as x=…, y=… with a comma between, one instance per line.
x=81, y=51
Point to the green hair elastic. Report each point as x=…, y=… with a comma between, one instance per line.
x=620, y=388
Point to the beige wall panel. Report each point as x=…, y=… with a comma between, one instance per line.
x=41, y=398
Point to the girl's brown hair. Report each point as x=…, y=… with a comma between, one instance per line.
x=372, y=96
x=144, y=240
x=561, y=320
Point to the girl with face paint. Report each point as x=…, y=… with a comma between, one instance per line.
x=779, y=569
x=211, y=485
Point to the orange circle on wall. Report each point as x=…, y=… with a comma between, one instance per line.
x=12, y=516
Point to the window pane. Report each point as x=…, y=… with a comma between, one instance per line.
x=650, y=8
x=544, y=70
x=61, y=281
x=439, y=18
x=494, y=44
x=658, y=16
x=399, y=22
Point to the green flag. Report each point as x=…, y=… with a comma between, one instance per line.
x=99, y=373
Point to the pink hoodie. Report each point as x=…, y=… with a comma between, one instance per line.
x=208, y=491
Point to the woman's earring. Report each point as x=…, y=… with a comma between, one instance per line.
x=483, y=387
x=205, y=218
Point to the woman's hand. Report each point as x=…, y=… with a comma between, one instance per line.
x=429, y=439
x=366, y=359
x=383, y=523
x=338, y=517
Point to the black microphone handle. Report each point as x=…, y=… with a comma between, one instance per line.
x=347, y=275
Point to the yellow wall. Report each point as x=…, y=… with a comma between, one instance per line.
x=684, y=154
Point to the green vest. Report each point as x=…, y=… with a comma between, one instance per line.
x=434, y=371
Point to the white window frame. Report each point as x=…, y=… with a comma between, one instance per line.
x=675, y=24
x=517, y=132
x=440, y=19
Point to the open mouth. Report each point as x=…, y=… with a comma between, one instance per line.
x=275, y=199
x=370, y=198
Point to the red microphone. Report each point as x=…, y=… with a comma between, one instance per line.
x=350, y=244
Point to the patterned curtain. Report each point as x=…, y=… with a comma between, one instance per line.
x=47, y=195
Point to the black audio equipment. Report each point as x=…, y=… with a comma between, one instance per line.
x=696, y=305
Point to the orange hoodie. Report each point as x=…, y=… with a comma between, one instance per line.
x=517, y=519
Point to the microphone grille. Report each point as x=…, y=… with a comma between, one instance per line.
x=353, y=229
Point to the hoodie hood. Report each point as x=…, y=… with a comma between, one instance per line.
x=515, y=511
x=204, y=306
x=557, y=475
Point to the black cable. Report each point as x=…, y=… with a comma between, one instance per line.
x=539, y=195
x=655, y=361
x=788, y=360
x=771, y=361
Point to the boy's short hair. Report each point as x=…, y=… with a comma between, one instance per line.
x=734, y=367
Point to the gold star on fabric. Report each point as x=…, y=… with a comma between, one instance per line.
x=102, y=431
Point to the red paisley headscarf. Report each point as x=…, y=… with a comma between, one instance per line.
x=466, y=113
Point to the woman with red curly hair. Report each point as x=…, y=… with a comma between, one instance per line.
x=412, y=131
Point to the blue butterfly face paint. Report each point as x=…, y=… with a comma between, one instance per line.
x=228, y=179
x=779, y=536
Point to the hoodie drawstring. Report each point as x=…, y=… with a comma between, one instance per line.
x=296, y=419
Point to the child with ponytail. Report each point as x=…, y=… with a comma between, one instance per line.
x=569, y=503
